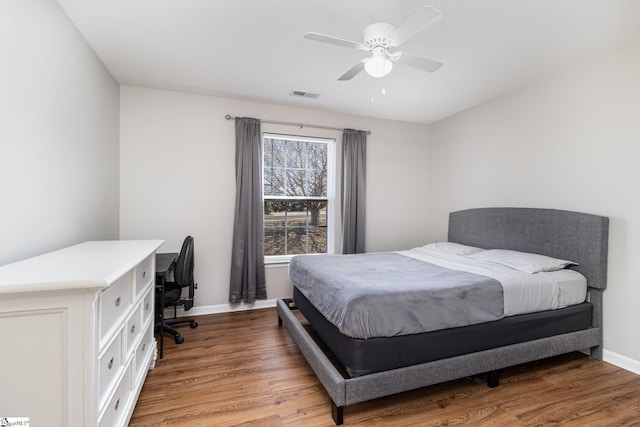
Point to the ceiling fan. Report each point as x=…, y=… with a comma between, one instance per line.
x=379, y=40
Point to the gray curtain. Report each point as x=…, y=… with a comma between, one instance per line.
x=247, y=258
x=354, y=154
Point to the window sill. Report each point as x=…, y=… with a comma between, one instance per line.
x=277, y=261
x=281, y=260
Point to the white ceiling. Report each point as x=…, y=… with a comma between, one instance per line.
x=255, y=50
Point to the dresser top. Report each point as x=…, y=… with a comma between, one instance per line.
x=89, y=265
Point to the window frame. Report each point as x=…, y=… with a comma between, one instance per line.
x=330, y=197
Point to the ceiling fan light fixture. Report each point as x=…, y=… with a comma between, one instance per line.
x=378, y=65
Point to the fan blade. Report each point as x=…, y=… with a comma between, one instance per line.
x=331, y=40
x=353, y=71
x=416, y=23
x=418, y=62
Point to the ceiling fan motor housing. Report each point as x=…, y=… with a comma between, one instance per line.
x=377, y=35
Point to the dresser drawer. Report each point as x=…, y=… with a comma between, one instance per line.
x=133, y=329
x=144, y=351
x=113, y=305
x=117, y=407
x=144, y=274
x=147, y=305
x=110, y=365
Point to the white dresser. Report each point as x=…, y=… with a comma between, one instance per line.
x=77, y=328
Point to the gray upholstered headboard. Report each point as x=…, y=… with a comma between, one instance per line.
x=579, y=237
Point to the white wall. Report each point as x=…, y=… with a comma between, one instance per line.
x=570, y=142
x=177, y=160
x=58, y=134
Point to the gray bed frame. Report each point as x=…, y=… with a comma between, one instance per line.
x=580, y=237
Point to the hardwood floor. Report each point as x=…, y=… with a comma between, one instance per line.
x=241, y=369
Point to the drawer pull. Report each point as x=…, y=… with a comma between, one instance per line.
x=118, y=301
x=117, y=404
x=133, y=328
x=110, y=365
x=146, y=306
x=144, y=346
x=144, y=274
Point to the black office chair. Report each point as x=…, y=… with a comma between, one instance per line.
x=183, y=278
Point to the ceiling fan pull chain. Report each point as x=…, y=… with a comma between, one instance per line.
x=373, y=89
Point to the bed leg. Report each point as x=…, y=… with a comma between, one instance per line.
x=279, y=321
x=596, y=352
x=337, y=413
x=493, y=379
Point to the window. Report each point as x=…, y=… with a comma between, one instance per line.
x=297, y=178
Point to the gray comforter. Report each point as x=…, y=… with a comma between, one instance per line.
x=386, y=294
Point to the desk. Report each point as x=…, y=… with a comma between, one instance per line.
x=163, y=262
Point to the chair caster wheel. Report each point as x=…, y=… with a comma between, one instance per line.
x=179, y=339
x=193, y=324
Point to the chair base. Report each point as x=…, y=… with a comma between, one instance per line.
x=176, y=335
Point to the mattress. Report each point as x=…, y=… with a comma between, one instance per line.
x=389, y=294
x=361, y=357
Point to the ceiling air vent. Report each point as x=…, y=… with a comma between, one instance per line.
x=304, y=94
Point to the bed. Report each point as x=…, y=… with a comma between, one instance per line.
x=374, y=367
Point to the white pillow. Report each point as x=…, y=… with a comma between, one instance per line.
x=523, y=261
x=453, y=248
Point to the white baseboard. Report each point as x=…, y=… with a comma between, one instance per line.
x=222, y=308
x=621, y=361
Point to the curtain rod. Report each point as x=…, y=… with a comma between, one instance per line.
x=301, y=125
